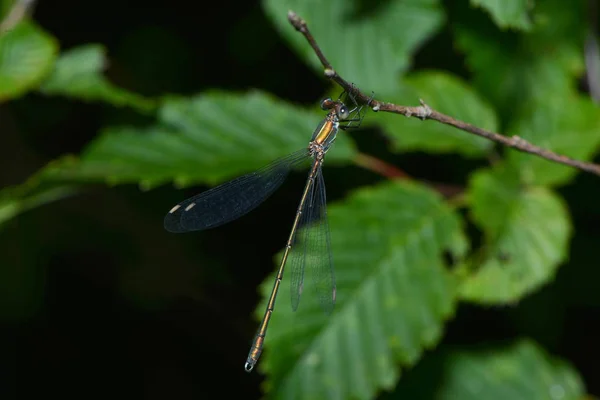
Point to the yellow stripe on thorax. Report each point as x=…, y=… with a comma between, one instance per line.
x=325, y=131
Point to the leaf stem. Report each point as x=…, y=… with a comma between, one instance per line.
x=392, y=172
x=380, y=167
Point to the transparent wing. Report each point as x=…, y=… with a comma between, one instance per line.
x=297, y=257
x=232, y=199
x=312, y=249
x=319, y=256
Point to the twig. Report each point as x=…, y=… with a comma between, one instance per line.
x=425, y=112
x=380, y=167
x=592, y=56
x=392, y=172
x=19, y=10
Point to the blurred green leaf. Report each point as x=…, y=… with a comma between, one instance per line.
x=16, y=200
x=393, y=296
x=568, y=125
x=512, y=70
x=526, y=229
x=507, y=13
x=27, y=54
x=78, y=74
x=447, y=94
x=370, y=44
x=519, y=371
x=5, y=7
x=208, y=138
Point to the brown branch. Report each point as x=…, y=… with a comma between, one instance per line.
x=380, y=167
x=425, y=112
x=19, y=11
x=392, y=172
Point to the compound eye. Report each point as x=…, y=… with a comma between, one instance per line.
x=343, y=112
x=326, y=104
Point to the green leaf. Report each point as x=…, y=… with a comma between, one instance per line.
x=26, y=56
x=16, y=200
x=507, y=13
x=526, y=229
x=208, y=138
x=369, y=44
x=566, y=125
x=78, y=74
x=521, y=370
x=5, y=7
x=447, y=94
x=513, y=70
x=393, y=296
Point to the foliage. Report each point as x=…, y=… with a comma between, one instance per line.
x=508, y=13
x=448, y=94
x=394, y=295
x=27, y=54
x=523, y=246
x=493, y=373
x=383, y=42
x=78, y=74
x=390, y=241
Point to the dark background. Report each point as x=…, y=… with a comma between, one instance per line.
x=102, y=301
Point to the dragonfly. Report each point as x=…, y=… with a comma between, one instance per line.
x=235, y=198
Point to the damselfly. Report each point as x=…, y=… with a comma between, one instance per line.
x=239, y=196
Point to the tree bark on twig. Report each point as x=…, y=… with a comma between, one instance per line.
x=425, y=112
